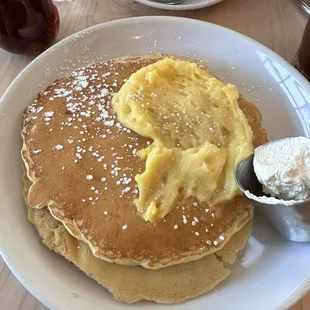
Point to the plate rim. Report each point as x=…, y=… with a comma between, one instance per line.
x=302, y=289
x=179, y=7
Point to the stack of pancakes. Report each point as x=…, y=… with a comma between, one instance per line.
x=80, y=167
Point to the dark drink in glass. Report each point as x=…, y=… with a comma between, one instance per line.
x=302, y=59
x=28, y=26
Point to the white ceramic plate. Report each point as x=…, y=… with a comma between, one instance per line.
x=185, y=5
x=274, y=273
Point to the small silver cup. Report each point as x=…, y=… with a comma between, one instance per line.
x=292, y=222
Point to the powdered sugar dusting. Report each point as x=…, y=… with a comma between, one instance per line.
x=88, y=127
x=58, y=147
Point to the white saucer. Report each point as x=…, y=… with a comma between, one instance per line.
x=185, y=5
x=274, y=273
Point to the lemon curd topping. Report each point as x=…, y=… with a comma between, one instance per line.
x=199, y=134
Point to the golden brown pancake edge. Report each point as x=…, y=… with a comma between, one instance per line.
x=131, y=284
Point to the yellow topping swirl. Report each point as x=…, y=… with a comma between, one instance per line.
x=199, y=134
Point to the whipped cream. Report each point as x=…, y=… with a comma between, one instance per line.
x=283, y=168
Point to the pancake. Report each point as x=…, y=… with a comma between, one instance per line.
x=82, y=163
x=174, y=284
